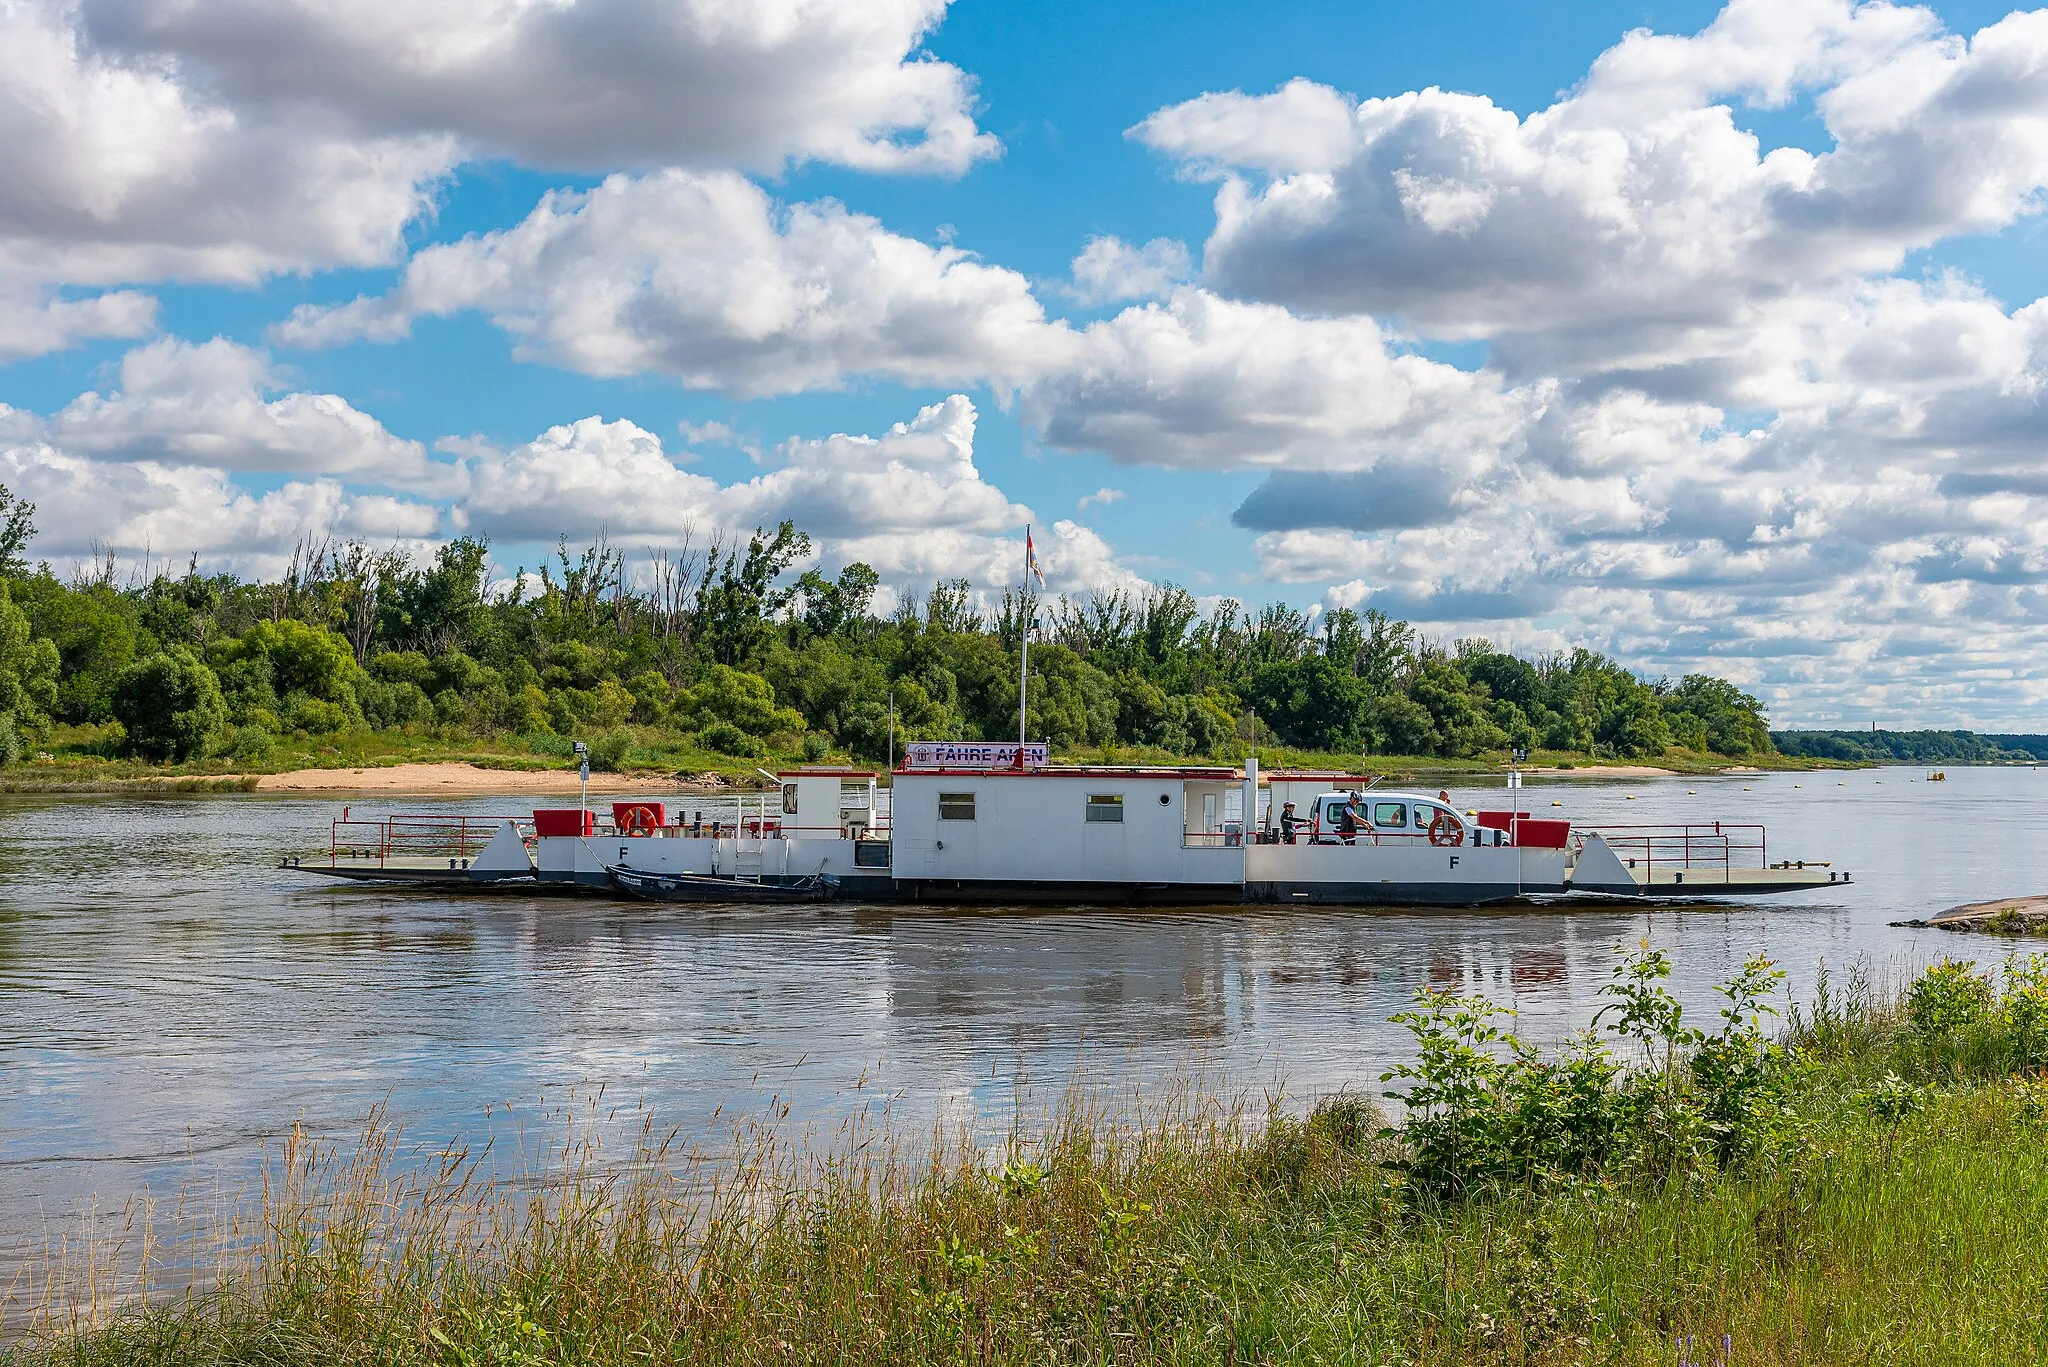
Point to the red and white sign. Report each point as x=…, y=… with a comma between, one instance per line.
x=994, y=754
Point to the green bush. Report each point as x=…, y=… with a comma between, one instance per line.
x=651, y=694
x=302, y=659
x=29, y=667
x=314, y=716
x=250, y=744
x=396, y=704
x=170, y=706
x=728, y=739
x=1487, y=1110
x=11, y=749
x=1948, y=997
x=742, y=701
x=608, y=751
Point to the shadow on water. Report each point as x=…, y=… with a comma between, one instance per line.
x=169, y=998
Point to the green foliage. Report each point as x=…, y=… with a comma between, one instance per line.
x=609, y=749
x=28, y=675
x=170, y=706
x=1488, y=1111
x=250, y=745
x=17, y=529
x=1949, y=997
x=349, y=639
x=287, y=675
x=728, y=739
x=1894, y=1226
x=1910, y=747
x=745, y=702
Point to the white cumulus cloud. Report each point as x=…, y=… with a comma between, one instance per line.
x=705, y=279
x=1634, y=223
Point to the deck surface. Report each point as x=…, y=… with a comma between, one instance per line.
x=1742, y=881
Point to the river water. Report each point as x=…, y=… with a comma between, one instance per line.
x=170, y=1001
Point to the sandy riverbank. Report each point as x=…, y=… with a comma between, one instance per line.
x=459, y=778
x=456, y=778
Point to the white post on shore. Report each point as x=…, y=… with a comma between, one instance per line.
x=1024, y=643
x=1248, y=824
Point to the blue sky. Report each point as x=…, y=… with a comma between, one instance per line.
x=1556, y=356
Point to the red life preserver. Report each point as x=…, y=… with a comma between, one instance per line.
x=637, y=821
x=1445, y=829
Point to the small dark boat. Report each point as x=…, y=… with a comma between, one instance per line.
x=707, y=887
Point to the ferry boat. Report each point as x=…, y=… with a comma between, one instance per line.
x=997, y=824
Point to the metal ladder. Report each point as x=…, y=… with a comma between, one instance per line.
x=747, y=850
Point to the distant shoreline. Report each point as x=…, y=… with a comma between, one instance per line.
x=484, y=777
x=459, y=777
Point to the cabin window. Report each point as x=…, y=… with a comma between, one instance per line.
x=956, y=806
x=1108, y=807
x=789, y=799
x=1389, y=815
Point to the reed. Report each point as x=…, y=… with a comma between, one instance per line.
x=1892, y=1217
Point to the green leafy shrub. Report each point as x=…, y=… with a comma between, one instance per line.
x=301, y=659
x=314, y=716
x=1948, y=997
x=745, y=702
x=526, y=712
x=12, y=751
x=608, y=751
x=728, y=739
x=1487, y=1110
x=250, y=744
x=651, y=693
x=170, y=706
x=29, y=667
x=2023, y=1008
x=396, y=704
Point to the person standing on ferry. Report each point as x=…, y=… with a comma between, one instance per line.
x=1288, y=821
x=1347, y=820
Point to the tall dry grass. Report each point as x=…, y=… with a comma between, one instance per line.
x=1900, y=1224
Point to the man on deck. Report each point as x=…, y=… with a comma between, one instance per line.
x=1347, y=820
x=1288, y=821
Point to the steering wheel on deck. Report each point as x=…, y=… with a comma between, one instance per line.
x=1445, y=829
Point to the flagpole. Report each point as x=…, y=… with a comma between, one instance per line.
x=1024, y=640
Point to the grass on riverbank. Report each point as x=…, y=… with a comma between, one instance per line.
x=1869, y=1191
x=86, y=758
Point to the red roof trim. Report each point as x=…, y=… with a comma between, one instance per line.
x=828, y=773
x=1068, y=771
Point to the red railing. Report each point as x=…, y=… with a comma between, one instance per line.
x=414, y=837
x=1716, y=845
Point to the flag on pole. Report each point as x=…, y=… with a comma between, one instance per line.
x=1031, y=559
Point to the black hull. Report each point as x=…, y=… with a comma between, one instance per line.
x=1011, y=893
x=710, y=889
x=1378, y=894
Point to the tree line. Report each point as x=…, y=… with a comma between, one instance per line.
x=731, y=648
x=1913, y=747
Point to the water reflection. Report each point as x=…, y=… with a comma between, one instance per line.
x=168, y=998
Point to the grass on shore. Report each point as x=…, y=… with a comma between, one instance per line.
x=1869, y=1190
x=85, y=758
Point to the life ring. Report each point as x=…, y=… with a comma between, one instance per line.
x=636, y=821
x=1445, y=829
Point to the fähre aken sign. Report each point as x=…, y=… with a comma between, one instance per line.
x=941, y=754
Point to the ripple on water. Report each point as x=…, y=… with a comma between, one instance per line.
x=170, y=1001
